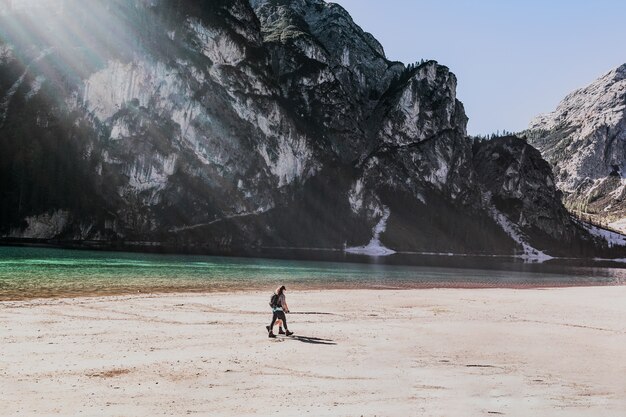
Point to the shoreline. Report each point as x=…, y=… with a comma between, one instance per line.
x=340, y=255
x=259, y=288
x=454, y=352
x=44, y=273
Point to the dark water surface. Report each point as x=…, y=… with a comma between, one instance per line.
x=43, y=272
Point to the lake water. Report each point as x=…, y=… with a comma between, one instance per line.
x=42, y=272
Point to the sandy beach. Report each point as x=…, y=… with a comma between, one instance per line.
x=447, y=352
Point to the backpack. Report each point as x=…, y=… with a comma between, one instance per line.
x=274, y=300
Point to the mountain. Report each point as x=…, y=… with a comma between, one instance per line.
x=584, y=140
x=234, y=125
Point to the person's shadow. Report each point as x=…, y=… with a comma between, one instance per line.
x=312, y=340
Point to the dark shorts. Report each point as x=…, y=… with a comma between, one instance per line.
x=279, y=315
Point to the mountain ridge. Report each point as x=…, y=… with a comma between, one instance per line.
x=584, y=139
x=244, y=125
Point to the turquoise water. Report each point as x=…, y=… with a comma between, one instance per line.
x=42, y=272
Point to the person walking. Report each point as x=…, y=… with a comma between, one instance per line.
x=279, y=306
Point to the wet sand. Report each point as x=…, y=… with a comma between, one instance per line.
x=429, y=352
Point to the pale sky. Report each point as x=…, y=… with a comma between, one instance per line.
x=514, y=59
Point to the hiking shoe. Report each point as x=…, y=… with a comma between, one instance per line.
x=288, y=333
x=268, y=328
x=271, y=335
x=281, y=331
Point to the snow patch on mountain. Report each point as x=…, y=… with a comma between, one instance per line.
x=619, y=225
x=530, y=254
x=35, y=87
x=375, y=247
x=611, y=238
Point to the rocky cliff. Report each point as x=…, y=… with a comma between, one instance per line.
x=235, y=124
x=584, y=140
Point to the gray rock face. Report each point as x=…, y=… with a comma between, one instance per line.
x=520, y=184
x=421, y=122
x=585, y=141
x=185, y=124
x=331, y=71
x=236, y=124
